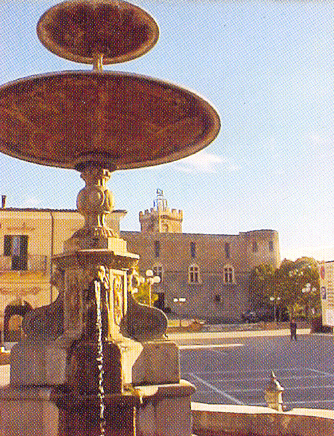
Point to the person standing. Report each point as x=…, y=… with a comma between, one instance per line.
x=293, y=329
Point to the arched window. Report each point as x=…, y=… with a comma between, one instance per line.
x=194, y=274
x=158, y=270
x=228, y=274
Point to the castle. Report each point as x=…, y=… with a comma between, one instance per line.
x=207, y=273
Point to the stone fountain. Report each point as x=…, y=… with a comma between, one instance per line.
x=94, y=361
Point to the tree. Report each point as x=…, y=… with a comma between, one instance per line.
x=141, y=289
x=143, y=293
x=260, y=282
x=297, y=285
x=294, y=285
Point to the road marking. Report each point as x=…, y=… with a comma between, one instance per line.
x=287, y=389
x=297, y=377
x=267, y=371
x=213, y=388
x=320, y=372
x=190, y=347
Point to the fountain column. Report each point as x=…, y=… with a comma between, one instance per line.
x=96, y=362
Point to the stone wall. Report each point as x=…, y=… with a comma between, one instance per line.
x=223, y=420
x=212, y=298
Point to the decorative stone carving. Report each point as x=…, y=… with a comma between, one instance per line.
x=47, y=322
x=94, y=202
x=142, y=322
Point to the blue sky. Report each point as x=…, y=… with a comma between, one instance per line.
x=267, y=67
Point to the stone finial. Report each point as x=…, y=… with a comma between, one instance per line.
x=274, y=393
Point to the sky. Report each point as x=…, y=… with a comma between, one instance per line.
x=268, y=69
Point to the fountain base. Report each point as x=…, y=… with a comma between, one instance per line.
x=156, y=410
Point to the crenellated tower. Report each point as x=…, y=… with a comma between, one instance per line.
x=160, y=218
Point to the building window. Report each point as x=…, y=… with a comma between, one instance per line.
x=157, y=248
x=255, y=247
x=193, y=274
x=192, y=249
x=227, y=250
x=158, y=270
x=16, y=247
x=271, y=246
x=228, y=274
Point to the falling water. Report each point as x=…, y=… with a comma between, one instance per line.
x=99, y=358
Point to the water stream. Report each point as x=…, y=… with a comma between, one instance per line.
x=99, y=358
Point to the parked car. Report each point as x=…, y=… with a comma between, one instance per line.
x=264, y=314
x=249, y=316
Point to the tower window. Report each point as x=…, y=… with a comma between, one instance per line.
x=227, y=250
x=255, y=247
x=16, y=246
x=192, y=249
x=193, y=274
x=271, y=246
x=157, y=248
x=228, y=274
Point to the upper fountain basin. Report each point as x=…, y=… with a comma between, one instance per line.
x=131, y=120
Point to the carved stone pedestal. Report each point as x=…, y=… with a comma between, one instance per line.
x=103, y=358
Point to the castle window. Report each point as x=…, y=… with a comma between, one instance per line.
x=255, y=247
x=192, y=249
x=157, y=248
x=193, y=274
x=228, y=274
x=16, y=246
x=227, y=250
x=271, y=246
x=158, y=270
x=165, y=228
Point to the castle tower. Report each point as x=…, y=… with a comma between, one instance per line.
x=160, y=218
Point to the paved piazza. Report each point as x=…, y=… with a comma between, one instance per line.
x=236, y=370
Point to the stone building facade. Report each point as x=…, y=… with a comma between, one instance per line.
x=209, y=271
x=28, y=240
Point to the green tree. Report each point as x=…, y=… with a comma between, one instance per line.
x=142, y=295
x=296, y=283
x=140, y=288
x=260, y=282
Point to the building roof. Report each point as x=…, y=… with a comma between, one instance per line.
x=34, y=209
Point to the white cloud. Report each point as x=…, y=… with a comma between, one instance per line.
x=31, y=202
x=205, y=162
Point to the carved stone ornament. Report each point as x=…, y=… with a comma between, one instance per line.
x=47, y=322
x=95, y=200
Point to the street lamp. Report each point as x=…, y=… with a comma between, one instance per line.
x=275, y=301
x=180, y=301
x=151, y=280
x=306, y=291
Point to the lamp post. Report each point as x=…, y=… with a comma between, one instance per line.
x=180, y=301
x=275, y=301
x=307, y=291
x=151, y=280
